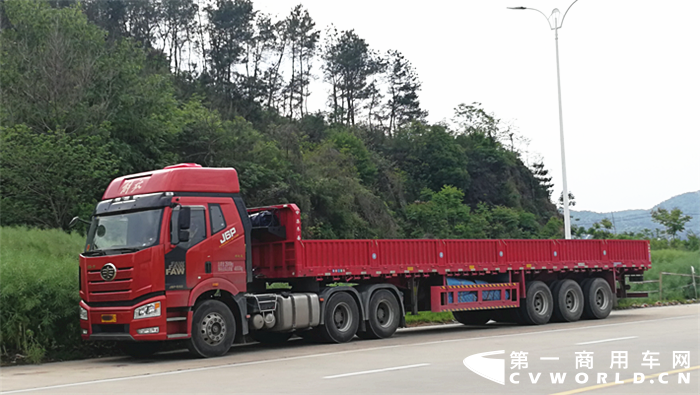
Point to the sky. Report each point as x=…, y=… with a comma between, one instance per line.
x=630, y=80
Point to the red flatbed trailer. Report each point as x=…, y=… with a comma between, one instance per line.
x=209, y=256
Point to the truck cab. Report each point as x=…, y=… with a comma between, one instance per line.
x=158, y=241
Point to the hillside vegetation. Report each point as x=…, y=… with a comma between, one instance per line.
x=95, y=89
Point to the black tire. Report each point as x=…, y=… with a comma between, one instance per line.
x=383, y=316
x=141, y=349
x=271, y=337
x=538, y=305
x=213, y=329
x=598, y=299
x=341, y=318
x=472, y=317
x=568, y=301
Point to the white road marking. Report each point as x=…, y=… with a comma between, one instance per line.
x=549, y=358
x=607, y=340
x=376, y=371
x=233, y=365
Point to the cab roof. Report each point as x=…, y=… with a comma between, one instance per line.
x=183, y=177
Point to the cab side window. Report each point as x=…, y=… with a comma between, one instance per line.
x=198, y=227
x=216, y=217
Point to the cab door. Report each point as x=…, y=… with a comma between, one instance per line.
x=183, y=262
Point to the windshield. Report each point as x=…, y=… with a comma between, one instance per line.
x=132, y=231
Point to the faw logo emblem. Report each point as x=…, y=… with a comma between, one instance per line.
x=176, y=268
x=227, y=236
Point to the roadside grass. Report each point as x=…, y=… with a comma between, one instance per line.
x=676, y=289
x=39, y=294
x=428, y=317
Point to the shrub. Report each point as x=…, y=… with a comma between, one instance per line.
x=39, y=293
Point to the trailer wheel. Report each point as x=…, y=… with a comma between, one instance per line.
x=271, y=337
x=383, y=316
x=598, y=299
x=472, y=317
x=341, y=318
x=213, y=329
x=140, y=349
x=568, y=301
x=538, y=305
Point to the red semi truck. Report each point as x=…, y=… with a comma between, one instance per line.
x=174, y=254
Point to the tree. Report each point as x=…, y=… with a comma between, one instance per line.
x=50, y=177
x=349, y=63
x=302, y=38
x=403, y=105
x=229, y=29
x=674, y=221
x=179, y=24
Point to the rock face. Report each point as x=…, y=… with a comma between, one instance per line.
x=638, y=220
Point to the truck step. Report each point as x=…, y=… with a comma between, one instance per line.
x=177, y=335
x=171, y=319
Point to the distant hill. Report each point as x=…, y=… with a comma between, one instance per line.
x=638, y=220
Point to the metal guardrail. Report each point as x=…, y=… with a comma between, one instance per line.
x=661, y=282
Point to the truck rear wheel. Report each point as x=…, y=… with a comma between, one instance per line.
x=598, y=298
x=213, y=329
x=341, y=318
x=472, y=317
x=538, y=305
x=568, y=301
x=383, y=316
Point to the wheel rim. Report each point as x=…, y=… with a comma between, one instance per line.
x=384, y=314
x=571, y=301
x=540, y=303
x=213, y=329
x=342, y=317
x=600, y=299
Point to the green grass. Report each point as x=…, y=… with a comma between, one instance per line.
x=428, y=317
x=675, y=288
x=39, y=294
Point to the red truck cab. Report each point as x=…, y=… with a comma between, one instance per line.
x=145, y=263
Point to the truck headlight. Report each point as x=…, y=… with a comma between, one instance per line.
x=147, y=310
x=83, y=313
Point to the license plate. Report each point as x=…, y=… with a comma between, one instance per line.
x=109, y=318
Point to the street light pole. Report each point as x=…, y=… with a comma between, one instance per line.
x=555, y=24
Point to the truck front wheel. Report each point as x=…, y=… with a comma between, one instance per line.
x=213, y=329
x=341, y=318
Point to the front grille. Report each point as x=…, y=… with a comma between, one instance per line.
x=110, y=328
x=120, y=285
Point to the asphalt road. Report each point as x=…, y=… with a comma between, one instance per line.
x=424, y=360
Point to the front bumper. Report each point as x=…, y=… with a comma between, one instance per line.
x=118, y=323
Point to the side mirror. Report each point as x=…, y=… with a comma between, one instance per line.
x=183, y=220
x=179, y=224
x=184, y=236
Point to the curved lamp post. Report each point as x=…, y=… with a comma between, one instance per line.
x=555, y=23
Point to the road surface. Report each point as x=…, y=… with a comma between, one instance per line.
x=417, y=360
